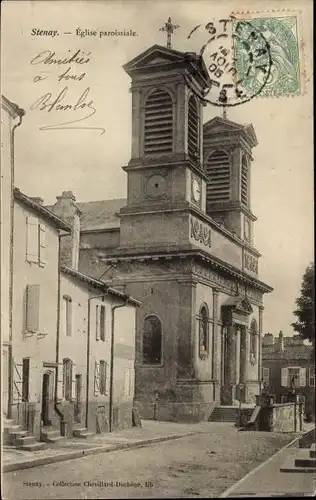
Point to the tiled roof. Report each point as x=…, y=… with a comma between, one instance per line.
x=99, y=284
x=101, y=214
x=43, y=211
x=293, y=352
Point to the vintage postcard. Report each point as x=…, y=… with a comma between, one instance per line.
x=157, y=269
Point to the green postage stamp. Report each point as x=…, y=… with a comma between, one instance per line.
x=282, y=37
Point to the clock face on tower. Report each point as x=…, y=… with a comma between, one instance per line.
x=196, y=190
x=156, y=186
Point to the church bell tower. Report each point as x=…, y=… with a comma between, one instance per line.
x=227, y=159
x=165, y=172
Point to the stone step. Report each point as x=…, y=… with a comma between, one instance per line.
x=312, y=451
x=82, y=433
x=32, y=447
x=224, y=414
x=25, y=440
x=303, y=459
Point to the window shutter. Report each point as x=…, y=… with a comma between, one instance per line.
x=265, y=375
x=107, y=379
x=97, y=379
x=32, y=308
x=312, y=377
x=284, y=372
x=32, y=246
x=69, y=317
x=97, y=333
x=60, y=382
x=17, y=381
x=102, y=322
x=73, y=381
x=302, y=377
x=42, y=245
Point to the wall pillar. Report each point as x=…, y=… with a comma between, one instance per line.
x=237, y=354
x=216, y=346
x=260, y=327
x=229, y=389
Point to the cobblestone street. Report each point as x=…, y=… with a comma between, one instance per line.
x=204, y=464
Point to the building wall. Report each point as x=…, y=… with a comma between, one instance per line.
x=275, y=367
x=6, y=196
x=41, y=347
x=75, y=348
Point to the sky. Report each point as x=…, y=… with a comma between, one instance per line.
x=88, y=162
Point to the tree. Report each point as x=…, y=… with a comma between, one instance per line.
x=305, y=323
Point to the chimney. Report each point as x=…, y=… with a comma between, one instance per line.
x=66, y=209
x=280, y=343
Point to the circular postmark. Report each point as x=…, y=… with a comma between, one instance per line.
x=238, y=61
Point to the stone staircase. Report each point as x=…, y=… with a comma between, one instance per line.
x=224, y=414
x=50, y=434
x=14, y=435
x=81, y=432
x=304, y=461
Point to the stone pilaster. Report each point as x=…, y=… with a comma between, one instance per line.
x=136, y=107
x=237, y=355
x=260, y=327
x=216, y=337
x=230, y=370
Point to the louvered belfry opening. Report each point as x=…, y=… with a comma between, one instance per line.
x=158, y=124
x=244, y=182
x=218, y=171
x=193, y=129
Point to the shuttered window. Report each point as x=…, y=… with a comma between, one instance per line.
x=265, y=375
x=193, y=129
x=103, y=376
x=100, y=322
x=67, y=315
x=244, y=183
x=67, y=379
x=32, y=308
x=293, y=377
x=35, y=241
x=218, y=171
x=312, y=377
x=158, y=137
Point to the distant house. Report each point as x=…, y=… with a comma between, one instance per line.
x=288, y=362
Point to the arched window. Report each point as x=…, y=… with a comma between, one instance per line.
x=204, y=331
x=218, y=171
x=158, y=137
x=193, y=129
x=253, y=341
x=67, y=379
x=152, y=340
x=244, y=182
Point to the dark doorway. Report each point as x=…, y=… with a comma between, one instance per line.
x=78, y=401
x=45, y=399
x=25, y=379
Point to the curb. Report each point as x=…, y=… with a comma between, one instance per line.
x=256, y=469
x=71, y=455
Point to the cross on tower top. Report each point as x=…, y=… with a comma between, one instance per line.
x=169, y=28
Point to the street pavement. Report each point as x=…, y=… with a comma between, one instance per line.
x=202, y=464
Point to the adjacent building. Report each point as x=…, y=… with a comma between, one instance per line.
x=288, y=362
x=11, y=118
x=68, y=340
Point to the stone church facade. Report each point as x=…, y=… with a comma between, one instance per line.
x=182, y=244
